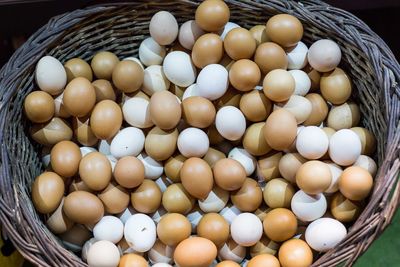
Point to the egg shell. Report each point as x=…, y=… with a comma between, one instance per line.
x=163, y=28
x=109, y=228
x=308, y=207
x=249, y=197
x=336, y=172
x=160, y=264
x=255, y=105
x=195, y=249
x=83, y=132
x=197, y=177
x=50, y=75
x=215, y=201
x=239, y=43
x=155, y=80
x=324, y=55
x=208, y=49
x=152, y=168
x=284, y=29
x=231, y=97
x=95, y=170
x=344, y=116
x=229, y=174
x=280, y=129
x=367, y=138
x=112, y=160
x=280, y=224
x=344, y=209
x=160, y=253
x=299, y=106
x=65, y=157
x=230, y=212
x=173, y=166
x=75, y=237
x=297, y=56
x=115, y=198
x=140, y=232
x=179, y=69
x=215, y=228
x=212, y=81
x=344, y=147
x=232, y=251
x=151, y=53
x=279, y=85
x=106, y=119
x=312, y=142
x=244, y=75
x=278, y=193
x=83, y=207
x=128, y=142
x=104, y=147
x=295, y=253
x=86, y=247
x=289, y=164
x=325, y=233
x=190, y=91
x=230, y=123
x=128, y=76
x=302, y=81
x=264, y=246
x=76, y=90
x=336, y=86
x=319, y=110
x=76, y=67
x=193, y=142
x=267, y=166
x=58, y=222
x=194, y=217
x=270, y=56
x=47, y=192
x=254, y=141
x=355, y=183
x=146, y=198
x=173, y=228
x=189, y=32
x=244, y=158
x=198, y=111
x=129, y=172
x=367, y=163
x=103, y=64
x=313, y=177
x=212, y=15
x=160, y=144
x=177, y=199
x=59, y=108
x=103, y=253
x=39, y=106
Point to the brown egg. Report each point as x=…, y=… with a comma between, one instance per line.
x=104, y=90
x=129, y=172
x=39, y=106
x=280, y=129
x=335, y=86
x=59, y=108
x=65, y=157
x=230, y=98
x=195, y=251
x=239, y=43
x=343, y=209
x=284, y=29
x=214, y=136
x=176, y=199
x=249, y=197
x=83, y=207
x=173, y=228
x=229, y=174
x=79, y=97
x=103, y=64
x=82, y=131
x=132, y=260
x=267, y=167
x=212, y=156
x=128, y=76
x=278, y=85
x=161, y=144
x=278, y=193
x=314, y=76
x=254, y=141
x=264, y=246
x=147, y=197
x=215, y=228
x=77, y=67
x=344, y=116
x=280, y=224
x=208, y=49
x=270, y=56
x=115, y=198
x=172, y=167
x=289, y=165
x=259, y=34
x=197, y=177
x=58, y=222
x=255, y=106
x=212, y=15
x=263, y=260
x=76, y=237
x=295, y=253
x=106, y=119
x=165, y=110
x=355, y=183
x=78, y=185
x=368, y=141
x=47, y=192
x=244, y=75
x=95, y=170
x=198, y=111
x=313, y=177
x=319, y=110
x=227, y=264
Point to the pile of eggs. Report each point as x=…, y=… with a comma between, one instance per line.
x=217, y=146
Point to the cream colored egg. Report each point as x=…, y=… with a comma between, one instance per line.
x=151, y=53
x=154, y=80
x=325, y=234
x=179, y=69
x=308, y=207
x=137, y=113
x=50, y=75
x=344, y=116
x=299, y=106
x=215, y=201
x=189, y=33
x=244, y=158
x=367, y=163
x=302, y=81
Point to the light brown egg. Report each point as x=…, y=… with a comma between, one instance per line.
x=314, y=177
x=197, y=177
x=249, y=197
x=267, y=166
x=289, y=165
x=227, y=264
x=58, y=222
x=147, y=197
x=76, y=67
x=259, y=34
x=319, y=110
x=195, y=251
x=214, y=227
x=255, y=106
x=244, y=75
x=161, y=144
x=239, y=43
x=165, y=110
x=129, y=172
x=115, y=198
x=278, y=193
x=95, y=170
x=78, y=185
x=214, y=136
x=335, y=86
x=65, y=157
x=212, y=15
x=263, y=260
x=298, y=105
x=106, y=119
x=280, y=224
x=278, y=85
x=132, y=260
x=198, y=111
x=295, y=253
x=344, y=209
x=280, y=129
x=314, y=76
x=208, y=49
x=264, y=246
x=254, y=141
x=344, y=116
x=367, y=138
x=229, y=174
x=60, y=110
x=230, y=98
x=83, y=132
x=128, y=76
x=173, y=228
x=104, y=90
x=176, y=199
x=355, y=183
x=47, y=192
x=172, y=167
x=103, y=64
x=284, y=29
x=83, y=207
x=75, y=92
x=270, y=56
x=213, y=156
x=39, y=106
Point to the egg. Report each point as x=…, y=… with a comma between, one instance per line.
x=140, y=232
x=324, y=55
x=115, y=198
x=154, y=80
x=173, y=166
x=132, y=260
x=284, y=29
x=83, y=132
x=232, y=251
x=312, y=142
x=86, y=248
x=65, y=157
x=289, y=165
x=58, y=222
x=254, y=141
x=299, y=106
x=230, y=123
x=227, y=28
x=173, y=228
x=367, y=138
x=212, y=81
x=163, y=28
x=249, y=197
x=151, y=53
x=244, y=75
x=76, y=67
x=127, y=76
x=215, y=201
x=95, y=170
x=295, y=253
x=83, y=207
x=313, y=177
x=227, y=264
x=280, y=129
x=179, y=69
x=39, y=106
x=77, y=89
x=215, y=228
x=59, y=108
x=47, y=192
x=246, y=229
x=198, y=111
x=344, y=147
x=160, y=253
x=278, y=193
x=103, y=253
x=193, y=142
x=194, y=217
x=135, y=59
x=264, y=246
x=302, y=81
x=189, y=32
x=264, y=260
x=355, y=183
x=270, y=56
x=297, y=56
x=325, y=233
x=279, y=85
x=229, y=174
x=75, y=238
x=103, y=64
x=344, y=116
x=280, y=224
x=208, y=49
x=244, y=158
x=152, y=168
x=239, y=43
x=136, y=112
x=336, y=172
x=344, y=209
x=109, y=228
x=308, y=207
x=267, y=166
x=146, y=198
x=319, y=110
x=177, y=199
x=128, y=142
x=197, y=177
x=367, y=163
x=129, y=172
x=106, y=119
x=160, y=144
x=336, y=86
x=212, y=15
x=195, y=249
x=255, y=106
x=314, y=76
x=50, y=75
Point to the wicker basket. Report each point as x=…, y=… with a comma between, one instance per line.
x=120, y=28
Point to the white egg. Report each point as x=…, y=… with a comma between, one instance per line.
x=127, y=142
x=152, y=168
x=179, y=69
x=344, y=147
x=246, y=229
x=140, y=232
x=151, y=53
x=163, y=255
x=190, y=91
x=303, y=82
x=297, y=57
x=312, y=142
x=336, y=172
x=325, y=233
x=135, y=59
x=193, y=142
x=109, y=228
x=163, y=182
x=298, y=105
x=126, y=214
x=212, y=81
x=163, y=28
x=154, y=80
x=229, y=213
x=112, y=160
x=215, y=201
x=367, y=163
x=230, y=123
x=308, y=207
x=136, y=112
x=244, y=158
x=194, y=218
x=104, y=147
x=50, y=75
x=103, y=253
x=161, y=264
x=189, y=33
x=236, y=253
x=86, y=248
x=324, y=55
x=227, y=28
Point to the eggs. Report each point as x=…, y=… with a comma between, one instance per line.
x=284, y=29
x=325, y=233
x=212, y=81
x=246, y=229
x=39, y=106
x=208, y=49
x=163, y=28
x=140, y=232
x=193, y=142
x=50, y=75
x=179, y=69
x=230, y=123
x=103, y=253
x=212, y=15
x=324, y=55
